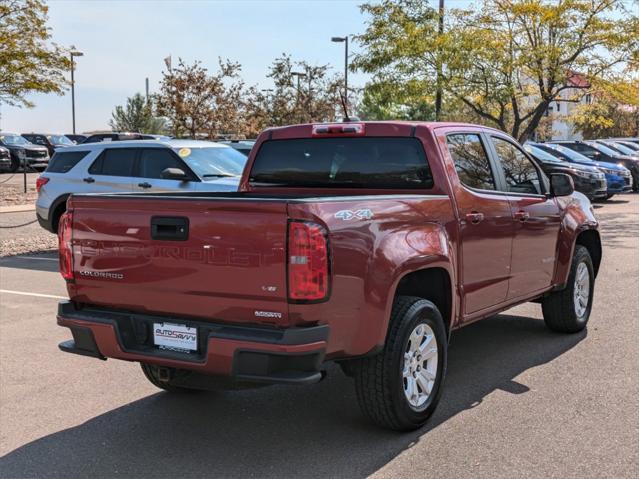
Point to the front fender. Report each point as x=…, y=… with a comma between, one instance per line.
x=577, y=216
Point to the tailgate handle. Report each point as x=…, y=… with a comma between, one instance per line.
x=170, y=228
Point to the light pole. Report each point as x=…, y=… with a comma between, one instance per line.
x=73, y=53
x=438, y=93
x=345, y=40
x=297, y=101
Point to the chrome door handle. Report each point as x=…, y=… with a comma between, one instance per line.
x=144, y=185
x=522, y=215
x=88, y=180
x=475, y=217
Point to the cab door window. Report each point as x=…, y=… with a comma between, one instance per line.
x=471, y=161
x=520, y=172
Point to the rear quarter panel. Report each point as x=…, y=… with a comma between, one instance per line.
x=369, y=258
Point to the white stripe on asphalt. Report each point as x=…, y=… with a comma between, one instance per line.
x=37, y=295
x=35, y=257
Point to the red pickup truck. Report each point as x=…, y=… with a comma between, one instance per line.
x=360, y=243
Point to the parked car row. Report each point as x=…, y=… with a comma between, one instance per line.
x=15, y=147
x=585, y=161
x=22, y=152
x=135, y=166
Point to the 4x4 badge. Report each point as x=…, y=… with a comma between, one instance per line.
x=346, y=215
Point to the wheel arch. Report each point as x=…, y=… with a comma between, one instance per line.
x=433, y=283
x=56, y=209
x=591, y=240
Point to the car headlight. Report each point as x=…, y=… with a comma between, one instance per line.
x=21, y=154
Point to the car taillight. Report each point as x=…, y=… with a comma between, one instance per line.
x=307, y=262
x=40, y=182
x=65, y=251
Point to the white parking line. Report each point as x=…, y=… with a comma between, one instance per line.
x=35, y=257
x=37, y=295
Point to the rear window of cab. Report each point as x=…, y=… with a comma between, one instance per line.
x=345, y=162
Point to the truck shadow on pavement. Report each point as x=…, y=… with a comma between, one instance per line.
x=279, y=431
x=44, y=262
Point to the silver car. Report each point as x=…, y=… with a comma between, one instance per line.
x=135, y=166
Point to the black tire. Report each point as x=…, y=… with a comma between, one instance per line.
x=559, y=309
x=609, y=195
x=152, y=374
x=55, y=217
x=379, y=380
x=15, y=164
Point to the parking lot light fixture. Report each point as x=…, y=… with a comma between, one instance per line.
x=345, y=41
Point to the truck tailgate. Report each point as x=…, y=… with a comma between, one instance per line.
x=182, y=256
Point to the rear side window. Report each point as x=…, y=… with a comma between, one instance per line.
x=154, y=161
x=373, y=162
x=63, y=162
x=114, y=162
x=471, y=161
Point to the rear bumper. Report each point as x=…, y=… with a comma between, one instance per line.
x=250, y=354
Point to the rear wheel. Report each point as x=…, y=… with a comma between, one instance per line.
x=399, y=388
x=568, y=310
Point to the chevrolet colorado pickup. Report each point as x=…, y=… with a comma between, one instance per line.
x=360, y=243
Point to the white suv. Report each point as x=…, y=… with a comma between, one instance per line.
x=134, y=166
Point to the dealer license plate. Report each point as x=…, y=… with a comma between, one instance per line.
x=175, y=336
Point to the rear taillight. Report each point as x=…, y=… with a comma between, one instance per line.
x=40, y=182
x=308, y=275
x=65, y=231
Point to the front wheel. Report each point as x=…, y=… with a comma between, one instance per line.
x=568, y=310
x=399, y=388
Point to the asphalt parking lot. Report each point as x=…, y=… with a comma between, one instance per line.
x=519, y=401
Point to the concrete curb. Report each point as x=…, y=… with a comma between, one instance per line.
x=16, y=208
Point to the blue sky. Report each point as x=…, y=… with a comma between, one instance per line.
x=126, y=41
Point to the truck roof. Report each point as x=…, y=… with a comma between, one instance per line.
x=390, y=123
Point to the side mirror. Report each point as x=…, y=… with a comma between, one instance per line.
x=174, y=174
x=561, y=184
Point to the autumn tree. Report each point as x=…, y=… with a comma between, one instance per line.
x=29, y=61
x=312, y=97
x=196, y=102
x=505, y=61
x=137, y=115
x=614, y=111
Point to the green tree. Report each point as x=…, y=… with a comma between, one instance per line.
x=614, y=110
x=505, y=61
x=29, y=62
x=136, y=115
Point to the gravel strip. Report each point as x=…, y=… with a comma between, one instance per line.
x=24, y=239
